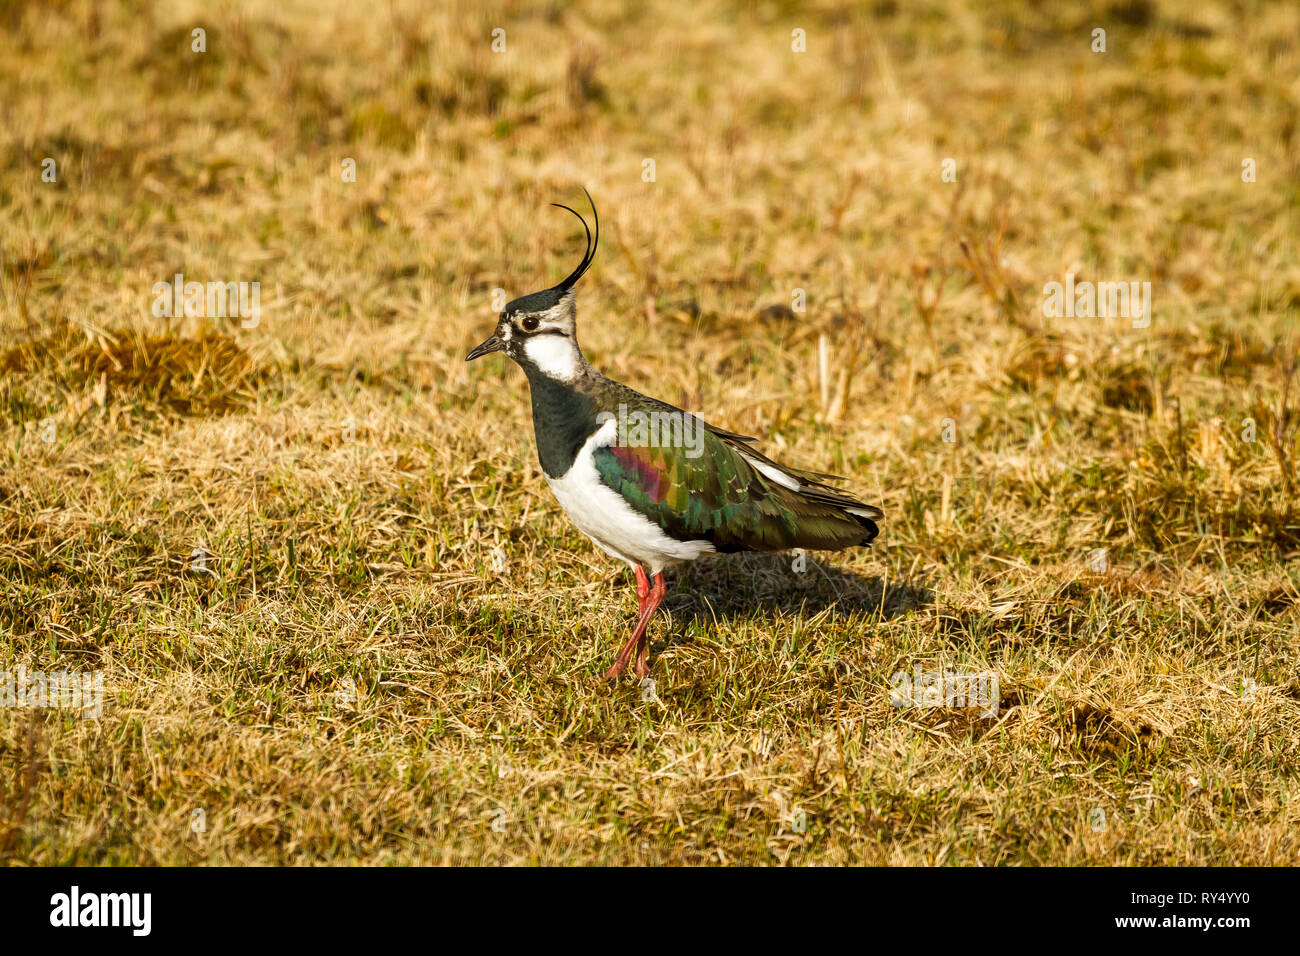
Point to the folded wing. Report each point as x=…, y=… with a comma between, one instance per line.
x=720, y=489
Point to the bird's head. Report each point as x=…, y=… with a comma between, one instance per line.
x=539, y=330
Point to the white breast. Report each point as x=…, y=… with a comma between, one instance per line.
x=602, y=515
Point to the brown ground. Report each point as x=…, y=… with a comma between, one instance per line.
x=361, y=676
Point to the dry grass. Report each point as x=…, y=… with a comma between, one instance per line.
x=355, y=679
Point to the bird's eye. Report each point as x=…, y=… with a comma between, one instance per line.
x=530, y=323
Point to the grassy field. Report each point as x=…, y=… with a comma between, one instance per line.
x=338, y=615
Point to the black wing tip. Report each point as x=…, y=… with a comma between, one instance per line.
x=868, y=524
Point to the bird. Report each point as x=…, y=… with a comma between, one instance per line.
x=649, y=483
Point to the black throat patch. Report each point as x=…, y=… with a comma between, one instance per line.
x=564, y=417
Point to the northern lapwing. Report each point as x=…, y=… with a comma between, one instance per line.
x=649, y=483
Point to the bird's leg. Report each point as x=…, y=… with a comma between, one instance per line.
x=656, y=598
x=642, y=587
x=643, y=593
x=625, y=652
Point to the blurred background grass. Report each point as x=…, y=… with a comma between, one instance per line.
x=357, y=678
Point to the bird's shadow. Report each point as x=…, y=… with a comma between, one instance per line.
x=739, y=587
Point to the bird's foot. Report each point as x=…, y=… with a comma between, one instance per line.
x=624, y=655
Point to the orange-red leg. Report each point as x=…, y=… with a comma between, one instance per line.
x=648, y=601
x=656, y=598
x=642, y=587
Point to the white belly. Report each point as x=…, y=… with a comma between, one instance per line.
x=599, y=512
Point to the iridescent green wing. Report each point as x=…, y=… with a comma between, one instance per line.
x=710, y=487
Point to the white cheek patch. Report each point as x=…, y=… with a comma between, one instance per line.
x=554, y=355
x=558, y=316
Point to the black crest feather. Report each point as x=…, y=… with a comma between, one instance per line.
x=592, y=243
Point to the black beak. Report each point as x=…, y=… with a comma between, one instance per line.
x=493, y=344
